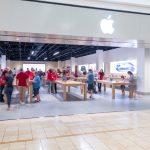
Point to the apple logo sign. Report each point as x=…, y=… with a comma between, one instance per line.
x=106, y=25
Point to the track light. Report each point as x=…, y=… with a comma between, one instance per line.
x=56, y=53
x=32, y=52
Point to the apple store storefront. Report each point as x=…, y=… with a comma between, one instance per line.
x=70, y=49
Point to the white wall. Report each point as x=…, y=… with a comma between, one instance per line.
x=23, y=16
x=147, y=70
x=121, y=54
x=89, y=59
x=19, y=64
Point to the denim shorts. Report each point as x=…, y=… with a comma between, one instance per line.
x=36, y=91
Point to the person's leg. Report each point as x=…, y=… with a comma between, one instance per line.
x=55, y=88
x=99, y=87
x=49, y=87
x=8, y=95
x=23, y=93
x=20, y=94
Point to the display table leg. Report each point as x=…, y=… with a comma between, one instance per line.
x=85, y=92
x=30, y=92
x=64, y=93
x=104, y=87
x=68, y=89
x=113, y=91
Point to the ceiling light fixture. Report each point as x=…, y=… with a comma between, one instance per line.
x=32, y=52
x=17, y=39
x=45, y=58
x=56, y=53
x=28, y=58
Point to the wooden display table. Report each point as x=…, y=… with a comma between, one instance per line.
x=113, y=84
x=70, y=83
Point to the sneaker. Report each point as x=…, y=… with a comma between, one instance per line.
x=22, y=103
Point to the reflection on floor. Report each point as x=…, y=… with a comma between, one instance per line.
x=103, y=131
x=53, y=105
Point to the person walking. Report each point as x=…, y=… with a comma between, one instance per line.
x=50, y=80
x=132, y=84
x=90, y=81
x=9, y=88
x=22, y=80
x=36, y=86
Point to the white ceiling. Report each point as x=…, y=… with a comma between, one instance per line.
x=127, y=5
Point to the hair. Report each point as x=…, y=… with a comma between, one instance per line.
x=4, y=72
x=130, y=73
x=90, y=70
x=36, y=73
x=50, y=70
x=101, y=72
x=64, y=72
x=84, y=73
x=21, y=70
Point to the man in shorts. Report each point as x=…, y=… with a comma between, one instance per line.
x=36, y=87
x=90, y=81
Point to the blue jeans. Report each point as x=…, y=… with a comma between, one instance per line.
x=49, y=86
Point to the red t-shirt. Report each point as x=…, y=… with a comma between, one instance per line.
x=22, y=77
x=55, y=76
x=2, y=80
x=100, y=76
x=49, y=76
x=31, y=76
x=28, y=73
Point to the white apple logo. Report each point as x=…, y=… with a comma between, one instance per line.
x=107, y=25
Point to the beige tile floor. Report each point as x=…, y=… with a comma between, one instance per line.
x=103, y=131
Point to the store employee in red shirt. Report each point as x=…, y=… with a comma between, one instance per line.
x=22, y=83
x=100, y=77
x=50, y=80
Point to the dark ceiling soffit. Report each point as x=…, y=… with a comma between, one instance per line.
x=87, y=7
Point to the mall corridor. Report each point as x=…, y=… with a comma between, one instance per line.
x=103, y=131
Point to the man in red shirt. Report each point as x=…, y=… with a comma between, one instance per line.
x=50, y=80
x=100, y=77
x=22, y=83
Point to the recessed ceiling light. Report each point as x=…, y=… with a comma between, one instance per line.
x=56, y=53
x=32, y=52
x=17, y=39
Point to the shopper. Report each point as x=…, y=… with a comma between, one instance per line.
x=90, y=81
x=64, y=77
x=22, y=82
x=55, y=76
x=49, y=80
x=122, y=86
x=2, y=85
x=132, y=84
x=36, y=87
x=9, y=87
x=100, y=77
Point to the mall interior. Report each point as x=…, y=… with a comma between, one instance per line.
x=74, y=75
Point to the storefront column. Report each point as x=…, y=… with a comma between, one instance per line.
x=3, y=61
x=99, y=59
x=8, y=64
x=59, y=66
x=147, y=72
x=73, y=64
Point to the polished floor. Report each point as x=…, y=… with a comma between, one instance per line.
x=54, y=105
x=103, y=131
